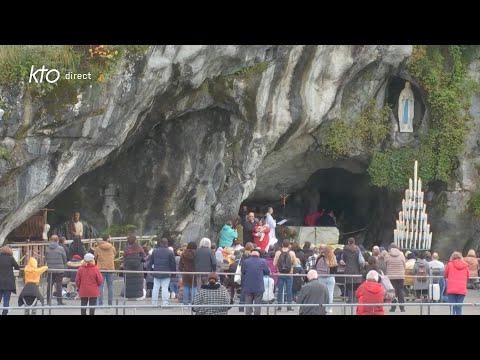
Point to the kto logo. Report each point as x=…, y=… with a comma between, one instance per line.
x=37, y=76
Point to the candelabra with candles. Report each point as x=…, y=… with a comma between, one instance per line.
x=413, y=230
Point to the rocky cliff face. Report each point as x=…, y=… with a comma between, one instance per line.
x=181, y=135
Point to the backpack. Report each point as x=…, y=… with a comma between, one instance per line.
x=421, y=272
x=284, y=263
x=321, y=266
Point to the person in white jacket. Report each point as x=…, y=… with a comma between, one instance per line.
x=272, y=225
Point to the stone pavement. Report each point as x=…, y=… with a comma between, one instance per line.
x=473, y=296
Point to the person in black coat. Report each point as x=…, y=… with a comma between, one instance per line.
x=133, y=259
x=248, y=224
x=204, y=261
x=76, y=248
x=7, y=277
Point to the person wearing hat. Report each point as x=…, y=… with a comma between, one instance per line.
x=88, y=280
x=73, y=264
x=212, y=293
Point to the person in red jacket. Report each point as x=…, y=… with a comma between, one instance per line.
x=370, y=292
x=456, y=273
x=261, y=235
x=88, y=280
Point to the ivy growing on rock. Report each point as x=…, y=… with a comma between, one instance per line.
x=366, y=133
x=442, y=71
x=475, y=204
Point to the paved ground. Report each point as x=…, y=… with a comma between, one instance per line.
x=473, y=296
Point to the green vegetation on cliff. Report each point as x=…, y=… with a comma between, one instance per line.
x=442, y=71
x=366, y=133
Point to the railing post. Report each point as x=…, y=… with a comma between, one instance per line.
x=116, y=307
x=50, y=291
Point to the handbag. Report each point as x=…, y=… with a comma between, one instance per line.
x=361, y=259
x=238, y=274
x=389, y=289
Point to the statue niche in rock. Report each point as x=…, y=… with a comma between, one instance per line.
x=405, y=109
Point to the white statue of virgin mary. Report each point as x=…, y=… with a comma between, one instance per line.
x=405, y=109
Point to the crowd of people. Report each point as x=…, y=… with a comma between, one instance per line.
x=248, y=263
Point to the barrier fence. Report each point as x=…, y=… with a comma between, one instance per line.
x=345, y=280
x=343, y=306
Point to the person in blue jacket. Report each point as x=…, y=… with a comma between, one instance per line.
x=254, y=268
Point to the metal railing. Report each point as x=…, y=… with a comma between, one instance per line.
x=195, y=284
x=228, y=307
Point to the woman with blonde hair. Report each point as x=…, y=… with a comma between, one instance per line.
x=472, y=261
x=326, y=264
x=456, y=273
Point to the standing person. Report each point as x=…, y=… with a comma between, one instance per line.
x=382, y=266
x=227, y=235
x=239, y=229
x=133, y=259
x=261, y=233
x=76, y=226
x=457, y=274
x=149, y=276
x=162, y=260
x=370, y=292
x=395, y=264
x=326, y=264
x=297, y=281
x=56, y=259
x=314, y=292
x=273, y=269
x=247, y=250
x=298, y=252
x=212, y=293
x=472, y=261
x=105, y=256
x=312, y=260
x=248, y=226
x=62, y=242
x=284, y=260
x=174, y=287
x=204, y=261
x=30, y=291
x=7, y=277
x=353, y=266
x=254, y=269
x=272, y=224
x=76, y=248
x=73, y=265
x=88, y=281
x=421, y=270
x=187, y=264
x=307, y=252
x=437, y=269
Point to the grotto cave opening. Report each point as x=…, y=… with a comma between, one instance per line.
x=361, y=210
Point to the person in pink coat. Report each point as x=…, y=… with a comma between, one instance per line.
x=457, y=274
